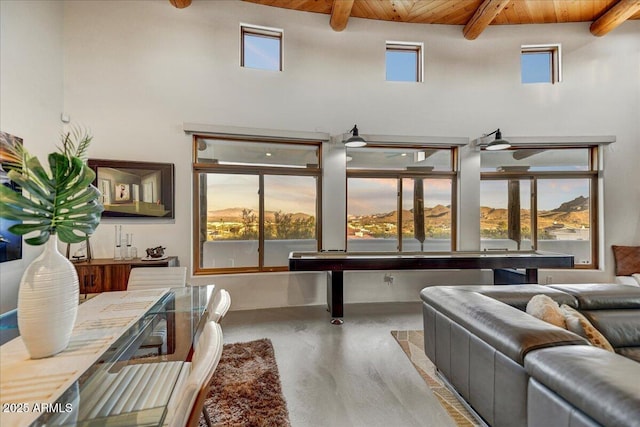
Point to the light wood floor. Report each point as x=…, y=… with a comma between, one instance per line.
x=341, y=376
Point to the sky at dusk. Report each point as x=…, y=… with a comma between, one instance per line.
x=289, y=194
x=368, y=196
x=378, y=195
x=262, y=52
x=551, y=192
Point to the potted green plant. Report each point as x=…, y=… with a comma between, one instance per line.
x=57, y=204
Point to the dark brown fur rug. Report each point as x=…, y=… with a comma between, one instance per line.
x=245, y=389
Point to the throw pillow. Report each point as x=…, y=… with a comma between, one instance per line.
x=545, y=308
x=627, y=259
x=578, y=324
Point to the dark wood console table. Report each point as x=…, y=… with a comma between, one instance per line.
x=106, y=274
x=335, y=263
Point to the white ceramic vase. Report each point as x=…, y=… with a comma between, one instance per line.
x=48, y=302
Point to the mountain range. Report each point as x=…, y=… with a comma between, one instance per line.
x=571, y=214
x=235, y=215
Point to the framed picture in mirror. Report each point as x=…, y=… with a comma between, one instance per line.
x=133, y=189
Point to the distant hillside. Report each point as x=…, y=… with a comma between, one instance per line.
x=571, y=214
x=235, y=215
x=230, y=215
x=438, y=211
x=576, y=205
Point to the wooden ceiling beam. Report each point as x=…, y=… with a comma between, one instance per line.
x=615, y=16
x=483, y=16
x=340, y=13
x=180, y=4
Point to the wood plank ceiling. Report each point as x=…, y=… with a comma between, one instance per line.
x=474, y=15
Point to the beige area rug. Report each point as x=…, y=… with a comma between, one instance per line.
x=245, y=389
x=412, y=342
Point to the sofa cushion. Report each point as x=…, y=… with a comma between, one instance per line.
x=601, y=384
x=544, y=308
x=620, y=327
x=632, y=353
x=580, y=325
x=627, y=260
x=602, y=296
x=519, y=295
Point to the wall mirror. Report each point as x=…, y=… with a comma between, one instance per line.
x=135, y=189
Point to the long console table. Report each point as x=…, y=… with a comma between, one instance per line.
x=106, y=274
x=501, y=262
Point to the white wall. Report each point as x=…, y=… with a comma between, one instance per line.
x=135, y=71
x=31, y=98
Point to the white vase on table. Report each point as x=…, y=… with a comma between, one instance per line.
x=48, y=302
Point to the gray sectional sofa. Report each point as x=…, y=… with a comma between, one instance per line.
x=516, y=370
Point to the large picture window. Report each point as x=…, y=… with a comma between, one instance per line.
x=541, y=199
x=400, y=199
x=258, y=200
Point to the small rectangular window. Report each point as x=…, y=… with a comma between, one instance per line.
x=399, y=158
x=537, y=159
x=540, y=64
x=273, y=154
x=404, y=62
x=261, y=47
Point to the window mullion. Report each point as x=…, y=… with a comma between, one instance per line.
x=595, y=227
x=319, y=195
x=534, y=213
x=201, y=207
x=261, y=222
x=399, y=210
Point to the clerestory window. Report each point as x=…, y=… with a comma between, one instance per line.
x=404, y=62
x=261, y=47
x=541, y=63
